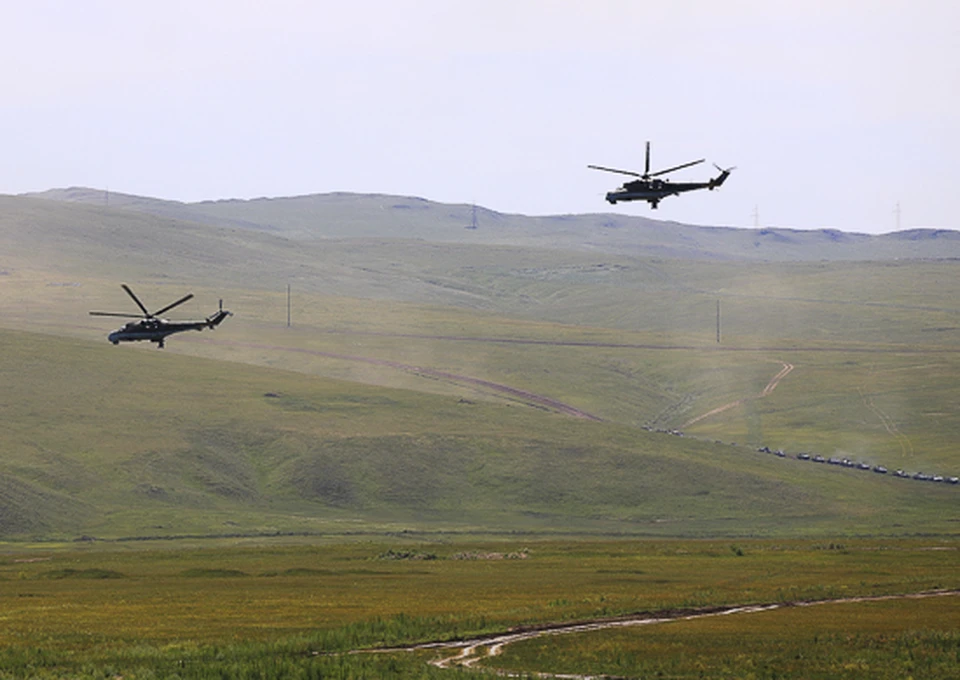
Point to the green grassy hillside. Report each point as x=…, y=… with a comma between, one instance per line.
x=46, y=244
x=437, y=384
x=376, y=216
x=112, y=443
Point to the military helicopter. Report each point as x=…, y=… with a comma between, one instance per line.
x=151, y=327
x=654, y=190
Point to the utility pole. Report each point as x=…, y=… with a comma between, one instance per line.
x=718, y=322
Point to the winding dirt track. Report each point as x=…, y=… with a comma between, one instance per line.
x=542, y=401
x=529, y=398
x=539, y=400
x=523, y=396
x=470, y=652
x=771, y=386
x=656, y=346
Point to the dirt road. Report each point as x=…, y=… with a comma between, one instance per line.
x=469, y=652
x=767, y=391
x=523, y=396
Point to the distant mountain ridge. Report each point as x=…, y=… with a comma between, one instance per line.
x=349, y=215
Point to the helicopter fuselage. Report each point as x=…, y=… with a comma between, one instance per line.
x=653, y=190
x=156, y=330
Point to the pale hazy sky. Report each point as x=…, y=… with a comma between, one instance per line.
x=834, y=112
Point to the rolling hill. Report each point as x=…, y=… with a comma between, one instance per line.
x=375, y=216
x=432, y=374
x=125, y=445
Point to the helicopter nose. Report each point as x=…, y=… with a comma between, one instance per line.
x=114, y=337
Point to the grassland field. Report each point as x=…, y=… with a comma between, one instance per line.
x=234, y=506
x=902, y=639
x=280, y=607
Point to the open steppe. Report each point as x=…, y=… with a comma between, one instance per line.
x=289, y=608
x=552, y=387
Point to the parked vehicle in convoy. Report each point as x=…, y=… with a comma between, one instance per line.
x=844, y=462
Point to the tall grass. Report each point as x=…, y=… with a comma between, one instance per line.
x=905, y=638
x=197, y=447
x=282, y=608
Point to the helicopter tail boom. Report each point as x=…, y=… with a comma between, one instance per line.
x=719, y=179
x=217, y=317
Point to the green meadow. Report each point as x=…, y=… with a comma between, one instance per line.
x=288, y=608
x=118, y=443
x=462, y=433
x=908, y=638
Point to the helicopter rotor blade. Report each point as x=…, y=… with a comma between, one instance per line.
x=622, y=172
x=646, y=167
x=136, y=299
x=172, y=305
x=121, y=314
x=676, y=167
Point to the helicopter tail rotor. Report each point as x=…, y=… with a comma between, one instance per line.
x=722, y=177
x=217, y=317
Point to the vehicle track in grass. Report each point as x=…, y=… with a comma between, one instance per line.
x=767, y=391
x=469, y=652
x=905, y=349
x=522, y=396
x=539, y=400
x=889, y=424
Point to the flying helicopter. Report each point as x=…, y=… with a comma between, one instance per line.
x=150, y=326
x=652, y=189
